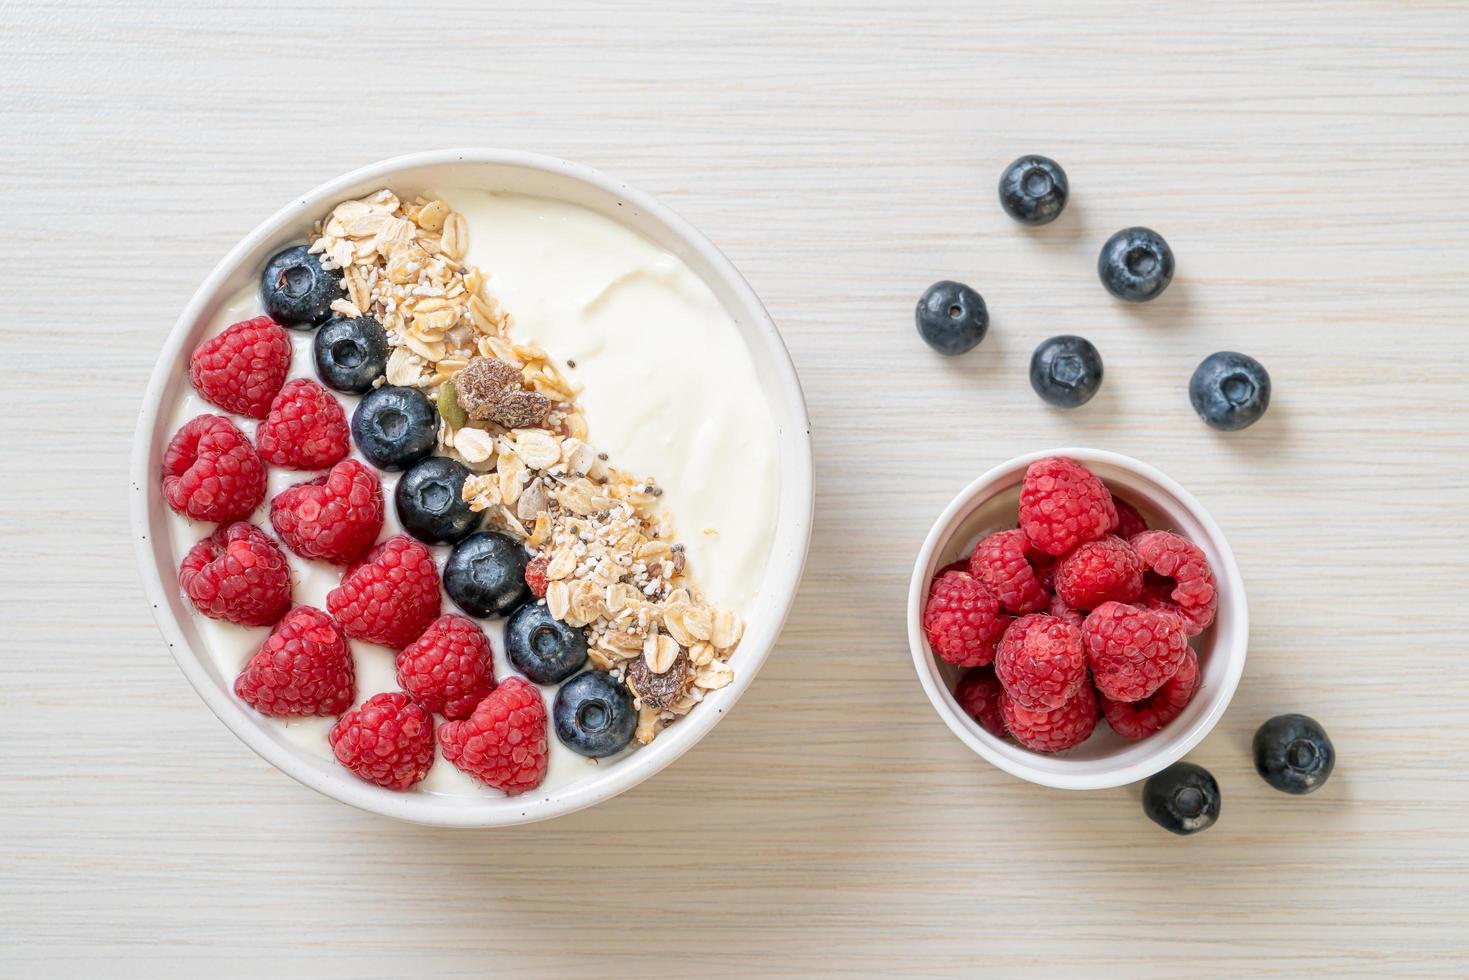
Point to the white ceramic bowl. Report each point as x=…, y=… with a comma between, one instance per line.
x=523, y=173
x=1106, y=759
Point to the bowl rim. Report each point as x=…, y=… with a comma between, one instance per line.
x=791, y=537
x=939, y=697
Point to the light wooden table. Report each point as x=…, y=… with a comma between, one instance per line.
x=1307, y=161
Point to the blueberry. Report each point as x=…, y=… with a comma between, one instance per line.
x=395, y=427
x=1033, y=190
x=297, y=291
x=485, y=574
x=1293, y=754
x=542, y=648
x=594, y=715
x=1230, y=391
x=1182, y=799
x=430, y=501
x=1066, y=370
x=351, y=353
x=951, y=317
x=1136, y=264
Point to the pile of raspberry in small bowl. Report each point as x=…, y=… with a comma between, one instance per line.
x=1080, y=611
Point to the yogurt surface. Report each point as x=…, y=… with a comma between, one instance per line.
x=666, y=386
x=664, y=380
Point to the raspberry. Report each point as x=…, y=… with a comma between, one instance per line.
x=1185, y=573
x=962, y=620
x=391, y=596
x=304, y=667
x=1139, y=719
x=535, y=576
x=1063, y=504
x=1000, y=562
x=978, y=693
x=1040, y=662
x=237, y=574
x=1052, y=729
x=450, y=668
x=335, y=517
x=241, y=369
x=1129, y=521
x=1132, y=651
x=504, y=742
x=211, y=472
x=305, y=430
x=1107, y=569
x=1065, y=613
x=388, y=740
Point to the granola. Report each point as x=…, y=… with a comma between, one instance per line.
x=612, y=561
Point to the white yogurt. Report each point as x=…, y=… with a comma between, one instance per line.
x=666, y=384
x=682, y=406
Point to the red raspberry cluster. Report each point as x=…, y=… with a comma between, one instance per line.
x=388, y=594
x=1080, y=611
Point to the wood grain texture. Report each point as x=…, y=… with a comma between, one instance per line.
x=1307, y=162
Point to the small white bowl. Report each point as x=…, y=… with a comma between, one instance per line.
x=1106, y=759
x=496, y=170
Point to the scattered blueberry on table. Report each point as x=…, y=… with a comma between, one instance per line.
x=1182, y=799
x=1229, y=390
x=395, y=427
x=542, y=647
x=1066, y=371
x=594, y=715
x=951, y=317
x=296, y=291
x=1033, y=190
x=350, y=353
x=1293, y=754
x=1136, y=265
x=485, y=574
x=430, y=501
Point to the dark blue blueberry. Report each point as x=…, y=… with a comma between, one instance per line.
x=1033, y=190
x=951, y=317
x=395, y=427
x=1293, y=754
x=1136, y=264
x=430, y=501
x=1182, y=799
x=594, y=715
x=296, y=291
x=1066, y=370
x=542, y=648
x=485, y=574
x=350, y=353
x=1229, y=390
